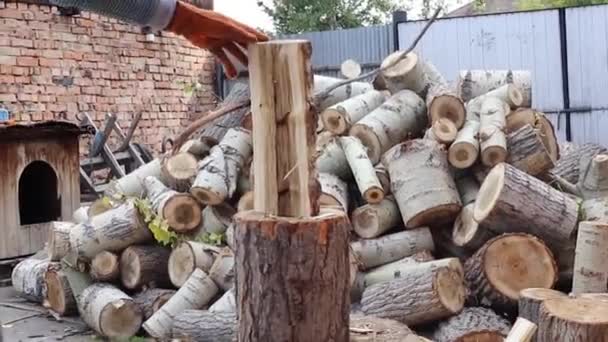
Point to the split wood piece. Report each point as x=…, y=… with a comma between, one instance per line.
x=217, y=218
x=495, y=273
x=181, y=210
x=522, y=116
x=590, y=271
x=402, y=115
x=531, y=299
x=382, y=174
x=59, y=239
x=151, y=300
x=445, y=246
x=245, y=202
x=132, y=184
x=205, y=326
x=340, y=94
x=467, y=233
x=421, y=183
x=527, y=151
x=271, y=271
x=350, y=68
x=398, y=270
x=144, y=266
x=573, y=319
x=340, y=117
x=473, y=83
x=59, y=293
x=333, y=160
x=81, y=214
x=508, y=93
x=227, y=303
x=334, y=191
x=237, y=148
x=464, y=150
x=198, y=147
x=222, y=270
x=472, y=324
x=111, y=231
x=443, y=131
x=109, y=311
x=443, y=103
x=210, y=186
x=420, y=296
x=522, y=331
x=567, y=167
x=363, y=170
x=196, y=292
x=284, y=127
x=178, y=171
x=369, y=329
x=593, y=181
x=468, y=188
x=594, y=209
x=105, y=267
x=188, y=256
x=492, y=138
x=28, y=278
x=392, y=247
x=372, y=220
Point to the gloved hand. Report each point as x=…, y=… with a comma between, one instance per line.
x=215, y=32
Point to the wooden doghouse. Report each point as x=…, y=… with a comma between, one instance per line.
x=39, y=183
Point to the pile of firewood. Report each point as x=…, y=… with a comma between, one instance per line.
x=466, y=218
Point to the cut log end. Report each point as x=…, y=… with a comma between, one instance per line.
x=489, y=192
x=493, y=155
x=462, y=155
x=369, y=139
x=452, y=297
x=120, y=318
x=181, y=264
x=207, y=196
x=441, y=213
x=445, y=130
x=580, y=319
x=178, y=171
x=182, y=213
x=465, y=227
x=105, y=266
x=450, y=108
x=59, y=293
x=334, y=121
x=374, y=195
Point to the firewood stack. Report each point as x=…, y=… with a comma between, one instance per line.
x=467, y=221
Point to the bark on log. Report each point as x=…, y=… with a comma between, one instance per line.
x=531, y=299
x=186, y=257
x=340, y=94
x=237, y=147
x=199, y=148
x=526, y=116
x=590, y=271
x=333, y=160
x=334, y=191
x=593, y=182
x=105, y=267
x=181, y=210
x=151, y=300
x=380, y=251
x=495, y=273
x=340, y=117
x=473, y=83
x=133, y=183
x=414, y=166
x=217, y=218
x=398, y=270
x=313, y=291
x=472, y=324
x=178, y=171
x=372, y=220
x=573, y=319
x=382, y=174
x=59, y=239
x=380, y=272
x=527, y=151
x=205, y=326
x=567, y=167
x=508, y=93
x=27, y=278
x=143, y=266
x=493, y=141
x=198, y=290
x=442, y=131
x=595, y=209
x=467, y=233
x=464, y=150
x=443, y=103
x=222, y=270
x=59, y=293
x=522, y=331
x=402, y=115
x=370, y=329
x=227, y=303
x=210, y=186
x=421, y=296
x=363, y=170
x=109, y=311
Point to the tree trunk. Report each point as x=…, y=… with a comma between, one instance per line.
x=178, y=171
x=420, y=296
x=590, y=272
x=133, y=183
x=567, y=167
x=59, y=293
x=573, y=319
x=28, y=278
x=210, y=186
x=443, y=103
x=188, y=256
x=333, y=160
x=198, y=290
x=531, y=299
x=492, y=138
x=525, y=116
x=227, y=303
x=182, y=211
x=105, y=267
x=217, y=218
x=473, y=83
x=422, y=185
x=464, y=150
x=372, y=220
x=111, y=231
x=143, y=266
x=370, y=328
x=109, y=311
x=494, y=273
x=340, y=94
x=380, y=251
x=402, y=115
x=443, y=131
x=467, y=233
x=205, y=326
x=305, y=277
x=151, y=300
x=527, y=151
x=334, y=191
x=400, y=268
x=363, y=170
x=472, y=324
x=59, y=239
x=522, y=331
x=222, y=270
x=340, y=117
x=593, y=181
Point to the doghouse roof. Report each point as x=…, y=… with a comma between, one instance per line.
x=37, y=130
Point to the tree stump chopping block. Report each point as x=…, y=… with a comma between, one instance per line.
x=294, y=269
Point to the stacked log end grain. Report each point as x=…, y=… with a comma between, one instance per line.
x=467, y=224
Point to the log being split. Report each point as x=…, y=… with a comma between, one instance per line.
x=464, y=150
x=527, y=151
x=373, y=220
x=28, y=278
x=573, y=319
x=334, y=191
x=340, y=117
x=443, y=131
x=59, y=293
x=473, y=83
x=421, y=183
x=109, y=311
x=205, y=326
x=422, y=295
x=522, y=116
x=333, y=160
x=522, y=331
x=151, y=300
x=472, y=324
x=188, y=256
x=198, y=290
x=388, y=248
x=400, y=268
x=181, y=210
x=105, y=267
x=494, y=273
x=402, y=115
x=368, y=328
x=492, y=137
x=178, y=171
x=363, y=170
x=531, y=299
x=133, y=183
x=590, y=271
x=217, y=218
x=144, y=265
x=59, y=239
x=340, y=94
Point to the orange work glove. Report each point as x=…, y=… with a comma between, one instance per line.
x=215, y=32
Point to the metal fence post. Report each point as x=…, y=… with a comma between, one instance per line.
x=398, y=18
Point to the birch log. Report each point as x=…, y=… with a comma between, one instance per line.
x=407, y=74
x=199, y=148
x=105, y=267
x=59, y=293
x=186, y=257
x=237, y=147
x=472, y=324
x=132, y=184
x=222, y=271
x=494, y=273
x=198, y=290
x=333, y=160
x=464, y=150
x=595, y=209
x=151, y=300
x=531, y=299
x=472, y=83
x=392, y=247
x=181, y=210
x=402, y=115
x=144, y=265
x=382, y=174
x=205, y=326
x=59, y=239
x=178, y=171
x=508, y=93
x=425, y=191
x=334, y=191
x=522, y=331
x=443, y=103
x=443, y=131
x=522, y=116
x=81, y=214
x=491, y=131
x=340, y=117
x=217, y=218
x=210, y=186
x=109, y=311
x=573, y=319
x=399, y=269
x=27, y=278
x=527, y=151
x=372, y=220
x=591, y=259
x=340, y=94
x=227, y=303
x=363, y=170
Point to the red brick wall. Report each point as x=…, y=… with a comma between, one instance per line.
x=54, y=66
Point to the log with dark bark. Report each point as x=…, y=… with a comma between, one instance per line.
x=401, y=267
x=144, y=265
x=567, y=167
x=188, y=256
x=59, y=293
x=28, y=278
x=590, y=272
x=526, y=116
x=178, y=171
x=527, y=151
x=105, y=267
x=472, y=324
x=59, y=239
x=531, y=299
x=573, y=319
x=205, y=326
x=151, y=300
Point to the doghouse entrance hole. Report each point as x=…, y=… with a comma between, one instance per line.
x=38, y=200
